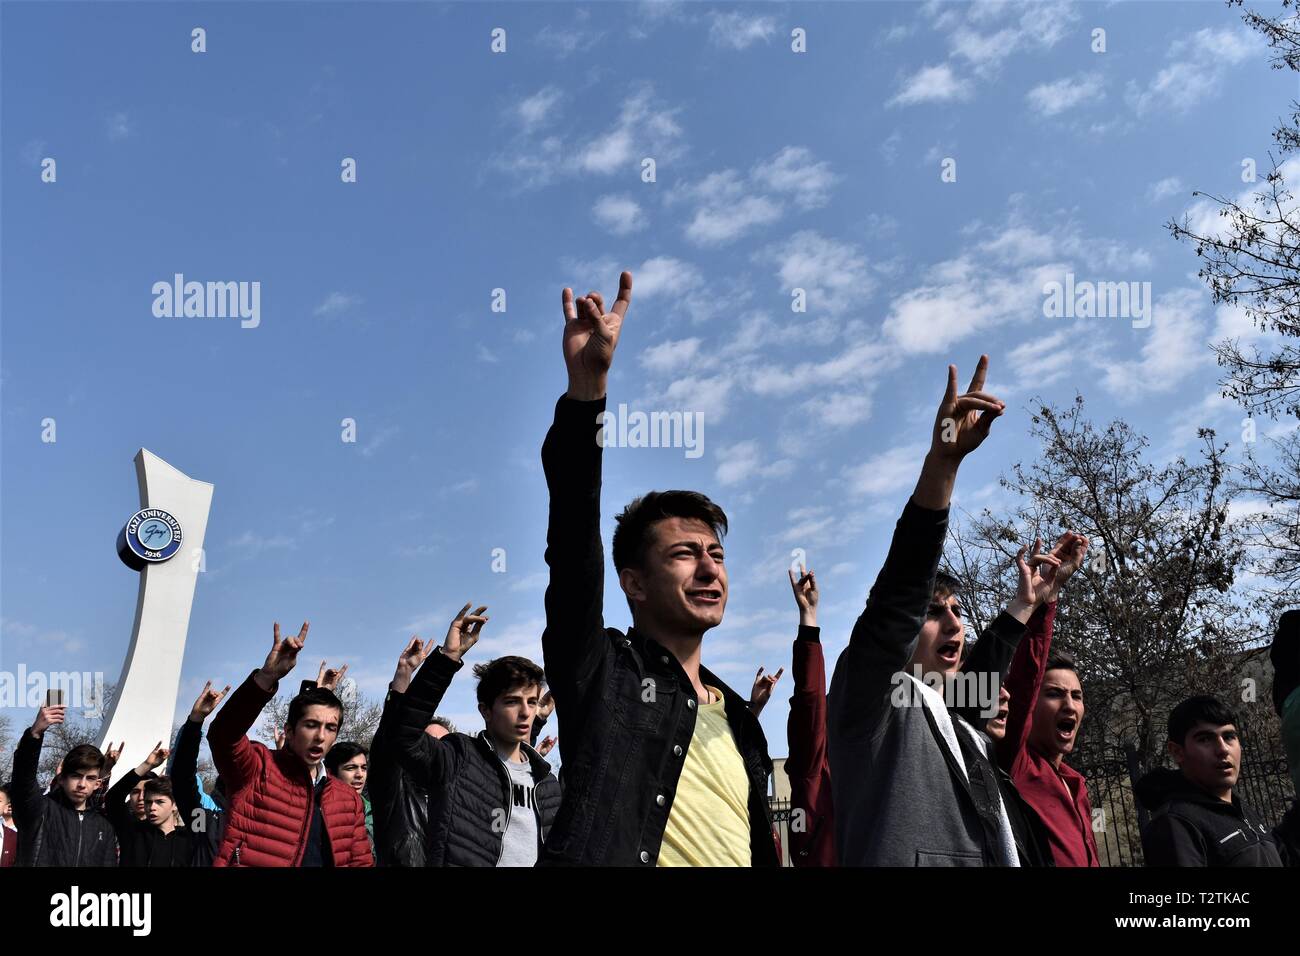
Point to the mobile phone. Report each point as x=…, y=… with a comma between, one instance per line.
x=306, y=686
x=54, y=697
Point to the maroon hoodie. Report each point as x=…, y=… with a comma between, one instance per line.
x=812, y=834
x=1059, y=795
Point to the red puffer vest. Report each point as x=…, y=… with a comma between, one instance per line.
x=270, y=795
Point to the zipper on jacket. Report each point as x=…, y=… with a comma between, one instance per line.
x=81, y=826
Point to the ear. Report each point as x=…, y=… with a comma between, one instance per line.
x=629, y=579
x=485, y=711
x=1176, y=751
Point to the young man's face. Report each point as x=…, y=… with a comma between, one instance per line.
x=1210, y=756
x=159, y=808
x=682, y=585
x=313, y=736
x=510, y=718
x=79, y=785
x=353, y=772
x=942, y=637
x=996, y=727
x=1057, y=714
x=137, y=800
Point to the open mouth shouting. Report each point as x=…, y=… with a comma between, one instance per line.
x=949, y=652
x=1066, y=725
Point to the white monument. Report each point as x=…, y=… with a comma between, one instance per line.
x=164, y=542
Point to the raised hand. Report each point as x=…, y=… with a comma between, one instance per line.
x=590, y=337
x=545, y=746
x=157, y=757
x=1070, y=549
x=805, y=595
x=762, y=690
x=963, y=421
x=1034, y=580
x=207, y=702
x=282, y=658
x=408, y=662
x=279, y=738
x=47, y=716
x=328, y=679
x=112, y=755
x=546, y=706
x=464, y=631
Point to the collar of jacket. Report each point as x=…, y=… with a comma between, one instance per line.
x=655, y=656
x=536, y=761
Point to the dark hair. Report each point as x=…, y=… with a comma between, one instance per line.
x=341, y=753
x=945, y=585
x=1061, y=661
x=7, y=789
x=632, y=531
x=159, y=787
x=1194, y=710
x=317, y=696
x=504, y=674
x=82, y=758
x=444, y=723
x=1285, y=655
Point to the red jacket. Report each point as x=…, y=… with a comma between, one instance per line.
x=812, y=831
x=1059, y=795
x=271, y=796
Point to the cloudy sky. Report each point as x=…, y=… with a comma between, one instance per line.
x=525, y=171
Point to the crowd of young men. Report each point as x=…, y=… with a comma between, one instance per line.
x=903, y=763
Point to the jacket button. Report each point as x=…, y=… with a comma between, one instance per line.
x=691, y=703
x=677, y=750
x=645, y=857
x=660, y=800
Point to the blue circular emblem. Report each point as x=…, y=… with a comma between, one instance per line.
x=150, y=537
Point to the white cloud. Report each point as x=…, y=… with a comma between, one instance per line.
x=931, y=84
x=794, y=171
x=834, y=274
x=119, y=126
x=744, y=462
x=1050, y=99
x=1163, y=189
x=540, y=108
x=738, y=31
x=336, y=303
x=667, y=357
x=620, y=215
x=1196, y=67
x=379, y=439
x=721, y=222
x=1174, y=348
x=887, y=472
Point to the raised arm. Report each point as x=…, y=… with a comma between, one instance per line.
x=185, y=753
x=885, y=634
x=571, y=459
x=806, y=725
x=232, y=752
x=27, y=795
x=420, y=755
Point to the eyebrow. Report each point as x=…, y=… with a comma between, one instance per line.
x=694, y=545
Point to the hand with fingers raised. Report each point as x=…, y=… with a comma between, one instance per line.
x=762, y=690
x=464, y=631
x=805, y=595
x=1035, y=575
x=329, y=679
x=960, y=425
x=1071, y=548
x=545, y=746
x=590, y=337
x=282, y=658
x=207, y=702
x=408, y=662
x=157, y=757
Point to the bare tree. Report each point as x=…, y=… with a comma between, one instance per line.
x=1154, y=615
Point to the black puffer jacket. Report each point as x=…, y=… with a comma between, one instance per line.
x=53, y=833
x=468, y=786
x=1193, y=828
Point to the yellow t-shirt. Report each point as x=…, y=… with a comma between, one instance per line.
x=708, y=824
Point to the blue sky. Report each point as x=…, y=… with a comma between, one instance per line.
x=522, y=171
